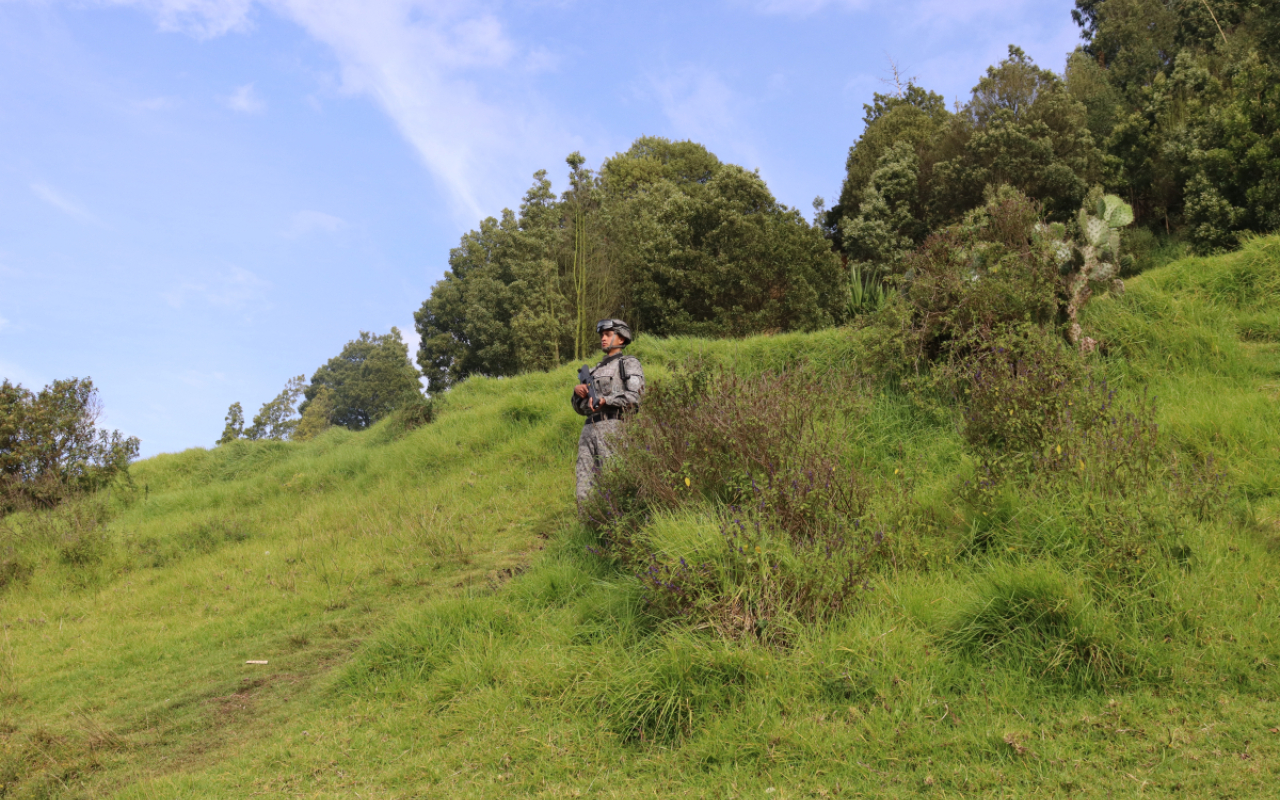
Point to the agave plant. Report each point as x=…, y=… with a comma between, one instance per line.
x=866, y=290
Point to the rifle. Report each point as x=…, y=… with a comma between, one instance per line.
x=584, y=376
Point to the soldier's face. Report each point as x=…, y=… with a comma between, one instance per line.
x=609, y=340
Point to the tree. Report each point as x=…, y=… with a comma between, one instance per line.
x=1021, y=128
x=50, y=445
x=886, y=225
x=370, y=378
x=276, y=419
x=318, y=416
x=1189, y=106
x=914, y=118
x=917, y=168
x=503, y=306
x=234, y=428
x=663, y=234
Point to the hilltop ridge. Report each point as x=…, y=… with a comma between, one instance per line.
x=435, y=620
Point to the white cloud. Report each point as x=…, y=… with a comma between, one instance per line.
x=63, y=203
x=236, y=289
x=203, y=19
x=913, y=12
x=696, y=101
x=424, y=62
x=246, y=100
x=306, y=222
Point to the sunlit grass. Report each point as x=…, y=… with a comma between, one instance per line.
x=434, y=623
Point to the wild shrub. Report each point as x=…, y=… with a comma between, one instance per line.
x=973, y=279
x=795, y=537
x=1043, y=426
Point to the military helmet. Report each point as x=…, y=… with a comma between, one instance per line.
x=617, y=325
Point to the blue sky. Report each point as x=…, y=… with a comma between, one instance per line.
x=202, y=198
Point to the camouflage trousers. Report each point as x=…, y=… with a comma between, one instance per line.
x=594, y=446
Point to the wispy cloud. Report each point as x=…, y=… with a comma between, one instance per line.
x=697, y=101
x=246, y=100
x=910, y=12
x=307, y=222
x=447, y=72
x=237, y=289
x=63, y=203
x=700, y=105
x=203, y=19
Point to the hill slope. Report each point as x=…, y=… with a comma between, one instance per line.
x=434, y=620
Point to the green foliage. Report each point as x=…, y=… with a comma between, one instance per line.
x=867, y=292
x=1022, y=128
x=973, y=280
x=885, y=226
x=276, y=420
x=794, y=541
x=370, y=378
x=914, y=119
x=665, y=235
x=917, y=168
x=50, y=446
x=317, y=417
x=1190, y=109
x=234, y=428
x=726, y=259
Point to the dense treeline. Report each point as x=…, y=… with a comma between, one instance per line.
x=1172, y=106
x=664, y=234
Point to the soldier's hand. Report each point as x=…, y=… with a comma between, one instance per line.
x=581, y=390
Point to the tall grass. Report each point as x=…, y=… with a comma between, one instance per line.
x=436, y=621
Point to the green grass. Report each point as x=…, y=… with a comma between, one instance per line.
x=435, y=625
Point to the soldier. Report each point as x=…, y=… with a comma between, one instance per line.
x=604, y=395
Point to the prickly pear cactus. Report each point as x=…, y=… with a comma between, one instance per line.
x=1093, y=257
x=1099, y=256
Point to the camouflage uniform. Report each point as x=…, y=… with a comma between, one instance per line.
x=620, y=396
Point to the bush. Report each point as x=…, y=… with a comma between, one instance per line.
x=1043, y=426
x=794, y=537
x=965, y=284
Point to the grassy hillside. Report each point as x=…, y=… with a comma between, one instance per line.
x=436, y=622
